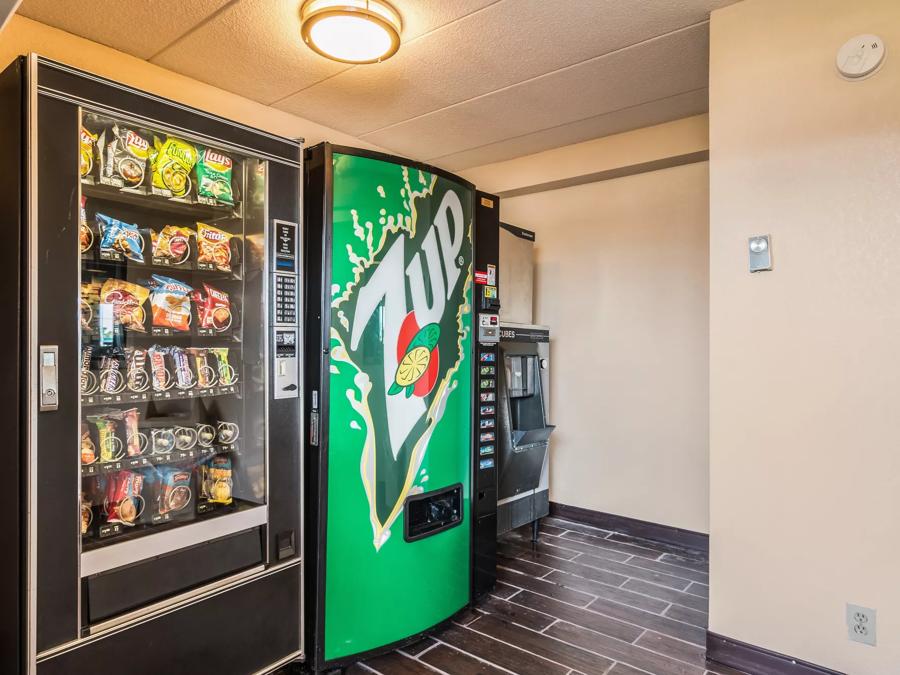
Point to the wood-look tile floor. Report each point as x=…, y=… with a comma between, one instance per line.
x=582, y=601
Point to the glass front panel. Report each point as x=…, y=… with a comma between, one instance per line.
x=172, y=356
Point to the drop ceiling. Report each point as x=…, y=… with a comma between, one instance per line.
x=474, y=82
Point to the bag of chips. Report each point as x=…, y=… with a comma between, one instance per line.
x=124, y=503
x=124, y=162
x=213, y=247
x=171, y=163
x=127, y=300
x=170, y=303
x=90, y=298
x=87, y=142
x=214, y=309
x=120, y=237
x=85, y=233
x=172, y=245
x=88, y=449
x=214, y=176
x=215, y=480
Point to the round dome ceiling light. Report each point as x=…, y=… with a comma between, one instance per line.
x=351, y=31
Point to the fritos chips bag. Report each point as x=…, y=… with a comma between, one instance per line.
x=214, y=247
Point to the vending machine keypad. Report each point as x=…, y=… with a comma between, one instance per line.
x=285, y=330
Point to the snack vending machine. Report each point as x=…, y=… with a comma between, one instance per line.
x=156, y=272
x=389, y=376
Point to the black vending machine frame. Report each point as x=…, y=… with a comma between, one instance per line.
x=484, y=477
x=230, y=605
x=318, y=207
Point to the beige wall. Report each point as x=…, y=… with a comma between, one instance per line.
x=22, y=35
x=681, y=137
x=805, y=360
x=621, y=279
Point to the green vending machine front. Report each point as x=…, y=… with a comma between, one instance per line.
x=388, y=257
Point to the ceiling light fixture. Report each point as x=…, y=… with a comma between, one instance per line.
x=351, y=31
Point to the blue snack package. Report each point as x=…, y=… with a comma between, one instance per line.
x=121, y=237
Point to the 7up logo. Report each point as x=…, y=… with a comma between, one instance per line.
x=401, y=322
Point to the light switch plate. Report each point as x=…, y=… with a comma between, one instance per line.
x=759, y=249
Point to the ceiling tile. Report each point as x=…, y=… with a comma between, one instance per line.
x=506, y=43
x=422, y=16
x=253, y=49
x=137, y=28
x=653, y=70
x=643, y=115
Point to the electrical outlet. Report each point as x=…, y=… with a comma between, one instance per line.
x=861, y=624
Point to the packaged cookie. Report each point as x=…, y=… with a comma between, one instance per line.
x=213, y=248
x=173, y=490
x=224, y=369
x=171, y=165
x=213, y=171
x=216, y=481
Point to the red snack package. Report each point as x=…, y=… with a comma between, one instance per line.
x=124, y=502
x=214, y=310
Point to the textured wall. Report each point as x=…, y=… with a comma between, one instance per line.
x=621, y=280
x=805, y=374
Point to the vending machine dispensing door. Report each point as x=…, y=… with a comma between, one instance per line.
x=389, y=263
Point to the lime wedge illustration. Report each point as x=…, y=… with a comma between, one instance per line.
x=414, y=363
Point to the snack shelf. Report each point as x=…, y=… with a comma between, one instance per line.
x=91, y=337
x=99, y=535
x=144, y=199
x=102, y=262
x=143, y=461
x=128, y=397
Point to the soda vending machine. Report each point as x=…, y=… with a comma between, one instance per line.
x=390, y=376
x=151, y=283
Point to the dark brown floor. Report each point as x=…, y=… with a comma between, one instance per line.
x=584, y=601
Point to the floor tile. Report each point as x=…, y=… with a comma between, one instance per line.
x=667, y=594
x=623, y=652
x=542, y=645
x=454, y=662
x=582, y=617
x=499, y=653
x=579, y=601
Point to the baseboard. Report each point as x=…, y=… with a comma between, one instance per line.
x=756, y=660
x=634, y=527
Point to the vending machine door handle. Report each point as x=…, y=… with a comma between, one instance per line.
x=49, y=364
